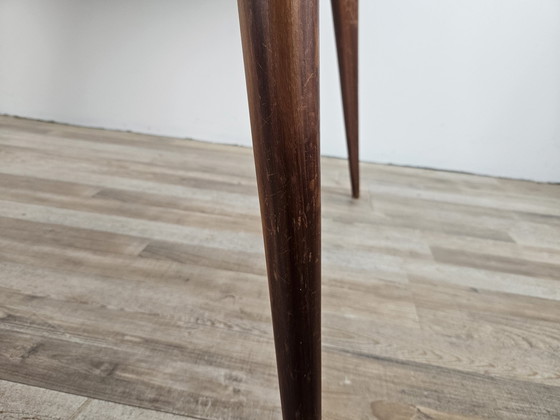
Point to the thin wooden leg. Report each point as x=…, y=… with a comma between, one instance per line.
x=280, y=47
x=345, y=13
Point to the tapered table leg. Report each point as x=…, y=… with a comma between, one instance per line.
x=345, y=13
x=280, y=47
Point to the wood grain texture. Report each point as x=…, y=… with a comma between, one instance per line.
x=345, y=15
x=281, y=53
x=122, y=286
x=23, y=402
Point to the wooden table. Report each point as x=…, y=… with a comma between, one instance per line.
x=281, y=52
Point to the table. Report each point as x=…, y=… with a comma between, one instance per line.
x=281, y=54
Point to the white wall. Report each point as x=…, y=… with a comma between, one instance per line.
x=468, y=85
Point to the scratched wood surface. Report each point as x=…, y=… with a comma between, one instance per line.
x=133, y=285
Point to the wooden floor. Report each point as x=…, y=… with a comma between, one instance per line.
x=132, y=286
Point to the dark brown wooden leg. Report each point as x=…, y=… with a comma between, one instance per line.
x=345, y=13
x=280, y=47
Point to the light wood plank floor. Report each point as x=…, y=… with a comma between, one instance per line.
x=132, y=286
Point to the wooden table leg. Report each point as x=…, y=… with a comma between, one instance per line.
x=280, y=47
x=345, y=13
